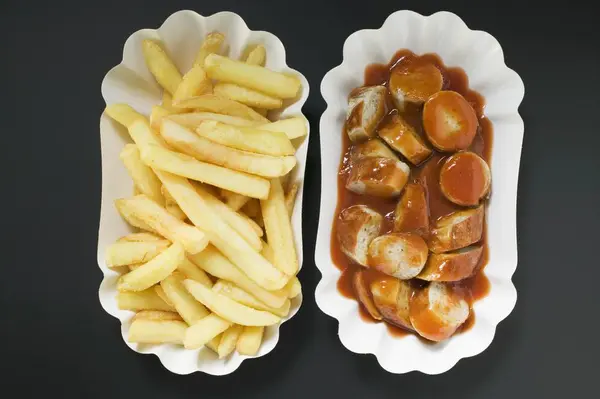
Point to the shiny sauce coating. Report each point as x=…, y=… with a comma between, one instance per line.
x=426, y=174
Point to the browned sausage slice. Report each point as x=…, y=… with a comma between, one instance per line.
x=402, y=137
x=457, y=230
x=401, y=255
x=412, y=213
x=414, y=83
x=392, y=298
x=366, y=107
x=364, y=294
x=452, y=266
x=381, y=177
x=374, y=148
x=356, y=227
x=465, y=178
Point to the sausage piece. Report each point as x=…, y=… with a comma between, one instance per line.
x=381, y=177
x=392, y=299
x=402, y=137
x=414, y=83
x=457, y=230
x=412, y=213
x=366, y=107
x=465, y=178
x=437, y=311
x=363, y=293
x=452, y=266
x=374, y=148
x=400, y=255
x=356, y=227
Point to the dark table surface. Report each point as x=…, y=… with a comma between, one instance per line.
x=55, y=337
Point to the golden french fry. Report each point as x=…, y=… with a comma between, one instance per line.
x=251, y=98
x=160, y=65
x=246, y=138
x=156, y=331
x=162, y=159
x=279, y=229
x=194, y=83
x=293, y=287
x=154, y=271
x=206, y=150
x=235, y=220
x=221, y=105
x=158, y=113
x=136, y=190
x=123, y=114
x=255, y=226
x=252, y=76
x=142, y=175
x=142, y=300
x=142, y=134
x=167, y=225
x=140, y=237
x=171, y=205
x=216, y=264
x=161, y=293
x=156, y=315
x=249, y=341
x=126, y=253
x=234, y=200
x=268, y=253
x=193, y=119
x=128, y=215
x=190, y=270
x=257, y=55
x=229, y=340
x=214, y=343
x=221, y=234
x=211, y=44
x=234, y=292
x=290, y=198
x=204, y=331
x=292, y=127
x=189, y=308
x=229, y=309
x=167, y=102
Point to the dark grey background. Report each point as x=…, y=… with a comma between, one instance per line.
x=54, y=336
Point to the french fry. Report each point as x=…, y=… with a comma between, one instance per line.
x=211, y=44
x=193, y=119
x=257, y=55
x=204, y=331
x=255, y=226
x=128, y=215
x=154, y=271
x=221, y=234
x=167, y=225
x=252, y=76
x=125, y=253
x=123, y=114
x=234, y=200
x=290, y=198
x=217, y=265
x=161, y=293
x=190, y=270
x=160, y=65
x=145, y=331
x=194, y=83
x=229, y=340
x=156, y=315
x=142, y=300
x=167, y=102
x=189, y=308
x=140, y=237
x=251, y=98
x=184, y=165
x=214, y=343
x=235, y=220
x=279, y=229
x=136, y=190
x=228, y=308
x=220, y=105
x=206, y=150
x=293, y=287
x=158, y=113
x=268, y=253
x=250, y=340
x=142, y=175
x=142, y=134
x=246, y=138
x=171, y=206
x=234, y=292
x=292, y=127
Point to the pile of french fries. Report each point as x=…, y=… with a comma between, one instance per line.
x=214, y=260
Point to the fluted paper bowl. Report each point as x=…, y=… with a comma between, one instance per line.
x=131, y=82
x=481, y=57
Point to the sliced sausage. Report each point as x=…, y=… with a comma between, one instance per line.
x=363, y=293
x=372, y=149
x=402, y=137
x=356, y=227
x=452, y=266
x=450, y=121
x=437, y=311
x=381, y=177
x=457, y=230
x=400, y=255
x=392, y=299
x=414, y=83
x=465, y=178
x=412, y=213
x=366, y=107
